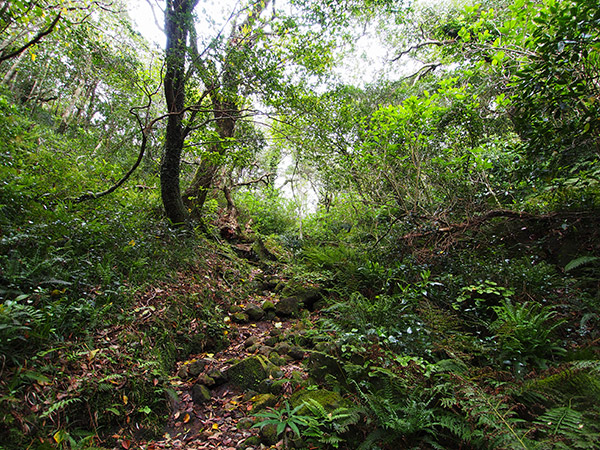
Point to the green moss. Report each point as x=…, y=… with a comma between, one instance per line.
x=248, y=373
x=328, y=399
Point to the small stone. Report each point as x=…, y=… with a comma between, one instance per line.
x=250, y=341
x=200, y=394
x=240, y=317
x=253, y=348
x=254, y=312
x=275, y=332
x=206, y=380
x=297, y=353
x=283, y=348
x=268, y=305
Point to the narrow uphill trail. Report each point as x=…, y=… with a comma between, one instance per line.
x=218, y=393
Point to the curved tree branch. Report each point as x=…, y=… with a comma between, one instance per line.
x=38, y=37
x=145, y=132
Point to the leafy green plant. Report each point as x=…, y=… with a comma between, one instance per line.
x=525, y=333
x=287, y=421
x=478, y=296
x=328, y=427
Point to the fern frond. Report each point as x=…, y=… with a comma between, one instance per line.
x=58, y=405
x=581, y=261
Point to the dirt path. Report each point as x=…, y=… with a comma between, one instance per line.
x=223, y=422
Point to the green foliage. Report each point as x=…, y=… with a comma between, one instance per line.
x=580, y=261
x=525, y=334
x=269, y=212
x=286, y=420
x=328, y=427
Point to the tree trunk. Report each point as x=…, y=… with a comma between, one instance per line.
x=178, y=20
x=226, y=114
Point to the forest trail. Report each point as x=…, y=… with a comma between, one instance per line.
x=212, y=411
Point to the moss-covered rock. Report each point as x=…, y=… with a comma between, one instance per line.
x=248, y=373
x=206, y=380
x=254, y=312
x=200, y=394
x=252, y=441
x=288, y=307
x=268, y=305
x=218, y=376
x=322, y=366
x=283, y=348
x=327, y=399
x=297, y=353
x=268, y=434
x=250, y=341
x=310, y=296
x=263, y=401
x=245, y=423
x=240, y=317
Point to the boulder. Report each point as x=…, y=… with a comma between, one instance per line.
x=200, y=394
x=288, y=307
x=254, y=312
x=248, y=373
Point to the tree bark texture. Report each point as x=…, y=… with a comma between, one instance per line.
x=178, y=20
x=226, y=115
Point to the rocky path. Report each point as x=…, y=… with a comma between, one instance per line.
x=218, y=394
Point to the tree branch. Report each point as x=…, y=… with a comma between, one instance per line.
x=421, y=45
x=34, y=41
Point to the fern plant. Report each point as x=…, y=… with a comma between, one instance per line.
x=326, y=427
x=524, y=332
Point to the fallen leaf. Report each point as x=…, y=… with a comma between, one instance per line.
x=215, y=426
x=126, y=443
x=186, y=418
x=125, y=399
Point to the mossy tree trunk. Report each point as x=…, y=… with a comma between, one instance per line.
x=178, y=22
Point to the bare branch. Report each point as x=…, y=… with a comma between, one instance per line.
x=421, y=45
x=38, y=37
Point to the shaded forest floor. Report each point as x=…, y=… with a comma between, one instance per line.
x=412, y=352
